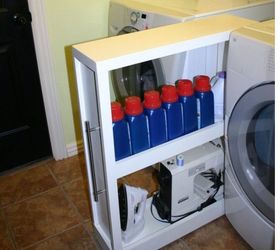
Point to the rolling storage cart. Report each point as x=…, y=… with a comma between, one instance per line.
x=93, y=63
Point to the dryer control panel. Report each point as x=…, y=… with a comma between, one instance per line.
x=121, y=16
x=138, y=19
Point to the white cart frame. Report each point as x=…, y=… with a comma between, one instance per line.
x=93, y=63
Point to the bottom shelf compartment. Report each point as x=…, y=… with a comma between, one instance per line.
x=158, y=234
x=187, y=185
x=176, y=190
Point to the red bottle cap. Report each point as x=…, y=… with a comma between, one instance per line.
x=133, y=105
x=184, y=87
x=169, y=93
x=117, y=111
x=202, y=83
x=151, y=99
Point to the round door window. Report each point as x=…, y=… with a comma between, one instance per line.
x=138, y=78
x=261, y=145
x=251, y=142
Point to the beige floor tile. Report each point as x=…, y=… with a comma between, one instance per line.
x=49, y=221
x=23, y=184
x=5, y=240
x=40, y=217
x=217, y=235
x=68, y=169
x=78, y=192
x=74, y=239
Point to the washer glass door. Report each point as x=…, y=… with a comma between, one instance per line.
x=251, y=142
x=135, y=79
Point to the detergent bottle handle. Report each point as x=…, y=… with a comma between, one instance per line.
x=213, y=81
x=219, y=76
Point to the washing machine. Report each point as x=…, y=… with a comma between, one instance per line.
x=126, y=16
x=250, y=134
x=130, y=16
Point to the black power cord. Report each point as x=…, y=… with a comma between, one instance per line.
x=214, y=177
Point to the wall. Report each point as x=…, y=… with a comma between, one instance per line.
x=70, y=22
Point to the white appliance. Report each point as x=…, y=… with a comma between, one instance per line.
x=132, y=204
x=254, y=9
x=127, y=16
x=130, y=16
x=190, y=181
x=249, y=134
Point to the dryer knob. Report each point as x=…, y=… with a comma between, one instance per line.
x=134, y=17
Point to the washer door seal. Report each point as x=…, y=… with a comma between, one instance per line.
x=251, y=146
x=138, y=78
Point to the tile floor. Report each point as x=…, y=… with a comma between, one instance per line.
x=45, y=206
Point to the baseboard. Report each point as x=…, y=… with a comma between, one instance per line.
x=74, y=148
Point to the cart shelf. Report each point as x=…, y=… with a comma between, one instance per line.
x=93, y=63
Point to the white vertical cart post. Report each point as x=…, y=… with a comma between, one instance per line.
x=93, y=63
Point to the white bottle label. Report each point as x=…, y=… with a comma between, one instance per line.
x=217, y=84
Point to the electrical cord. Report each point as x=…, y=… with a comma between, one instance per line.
x=216, y=178
x=151, y=208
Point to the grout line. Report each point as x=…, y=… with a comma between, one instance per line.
x=40, y=193
x=58, y=186
x=62, y=183
x=85, y=221
x=91, y=235
x=52, y=236
x=53, y=175
x=73, y=180
x=28, y=198
x=3, y=207
x=61, y=187
x=82, y=220
x=9, y=229
x=185, y=244
x=34, y=195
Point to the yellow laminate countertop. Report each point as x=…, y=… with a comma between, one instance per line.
x=193, y=8
x=195, y=31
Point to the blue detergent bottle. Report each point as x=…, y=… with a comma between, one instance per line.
x=120, y=132
x=156, y=116
x=205, y=101
x=188, y=100
x=174, y=111
x=138, y=124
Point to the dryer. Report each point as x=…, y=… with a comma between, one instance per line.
x=254, y=9
x=250, y=134
x=127, y=16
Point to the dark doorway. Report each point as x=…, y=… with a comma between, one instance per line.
x=24, y=133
